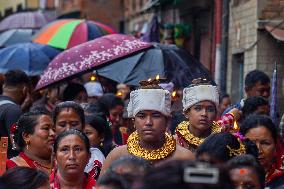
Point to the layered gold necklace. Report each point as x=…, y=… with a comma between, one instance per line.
x=183, y=131
x=135, y=149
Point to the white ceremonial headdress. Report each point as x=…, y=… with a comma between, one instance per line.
x=149, y=99
x=198, y=93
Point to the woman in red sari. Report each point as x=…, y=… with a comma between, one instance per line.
x=261, y=130
x=71, y=155
x=34, y=136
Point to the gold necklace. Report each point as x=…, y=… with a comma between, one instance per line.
x=183, y=131
x=135, y=149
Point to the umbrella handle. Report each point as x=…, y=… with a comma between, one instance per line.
x=100, y=83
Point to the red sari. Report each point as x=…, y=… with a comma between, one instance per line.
x=88, y=183
x=275, y=176
x=27, y=162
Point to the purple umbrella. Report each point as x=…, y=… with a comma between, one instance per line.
x=24, y=20
x=87, y=56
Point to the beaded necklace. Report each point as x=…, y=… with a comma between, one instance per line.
x=135, y=149
x=33, y=163
x=183, y=132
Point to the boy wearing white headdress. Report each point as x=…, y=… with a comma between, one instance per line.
x=149, y=107
x=200, y=102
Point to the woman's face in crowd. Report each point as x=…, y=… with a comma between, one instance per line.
x=265, y=143
x=150, y=125
x=82, y=97
x=224, y=104
x=201, y=115
x=67, y=119
x=52, y=95
x=41, y=141
x=245, y=178
x=116, y=116
x=71, y=155
x=94, y=137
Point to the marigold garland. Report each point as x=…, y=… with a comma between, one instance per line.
x=135, y=149
x=182, y=130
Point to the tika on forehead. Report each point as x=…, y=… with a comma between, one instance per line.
x=149, y=97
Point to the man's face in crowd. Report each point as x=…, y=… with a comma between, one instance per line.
x=259, y=89
x=150, y=125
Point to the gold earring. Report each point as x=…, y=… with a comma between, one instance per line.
x=27, y=144
x=101, y=143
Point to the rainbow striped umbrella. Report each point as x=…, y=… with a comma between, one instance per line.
x=67, y=33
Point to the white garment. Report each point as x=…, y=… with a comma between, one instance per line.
x=96, y=154
x=149, y=99
x=194, y=94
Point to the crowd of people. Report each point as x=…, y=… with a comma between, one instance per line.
x=77, y=136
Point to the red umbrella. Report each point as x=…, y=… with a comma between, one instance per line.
x=24, y=20
x=87, y=56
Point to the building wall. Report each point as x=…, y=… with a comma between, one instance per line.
x=107, y=12
x=270, y=52
x=134, y=16
x=242, y=36
x=10, y=4
x=32, y=4
x=269, y=49
x=69, y=6
x=248, y=36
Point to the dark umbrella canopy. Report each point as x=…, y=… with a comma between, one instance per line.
x=167, y=61
x=87, y=56
x=29, y=57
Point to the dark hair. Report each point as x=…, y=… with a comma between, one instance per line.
x=128, y=168
x=16, y=78
x=68, y=104
x=255, y=121
x=248, y=161
x=252, y=103
x=216, y=146
x=102, y=128
x=129, y=161
x=111, y=101
x=171, y=175
x=223, y=96
x=24, y=177
x=114, y=180
x=96, y=108
x=256, y=76
x=76, y=132
x=26, y=124
x=72, y=90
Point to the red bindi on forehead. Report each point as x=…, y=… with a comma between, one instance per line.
x=243, y=171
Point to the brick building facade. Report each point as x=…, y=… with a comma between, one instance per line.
x=107, y=12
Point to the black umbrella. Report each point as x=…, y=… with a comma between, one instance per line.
x=167, y=61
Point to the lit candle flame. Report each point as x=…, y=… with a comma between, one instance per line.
x=93, y=78
x=149, y=79
x=157, y=77
x=119, y=94
x=236, y=127
x=174, y=93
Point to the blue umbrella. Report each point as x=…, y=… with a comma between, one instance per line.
x=273, y=104
x=13, y=36
x=31, y=58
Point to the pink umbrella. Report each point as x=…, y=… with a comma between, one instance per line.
x=24, y=20
x=87, y=56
